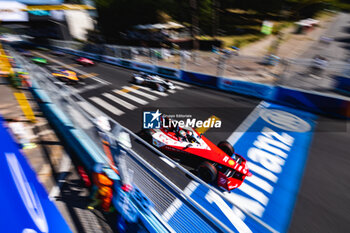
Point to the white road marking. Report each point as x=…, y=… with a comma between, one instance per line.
x=153, y=91
x=72, y=68
x=107, y=106
x=167, y=161
x=172, y=91
x=89, y=108
x=90, y=87
x=179, y=88
x=151, y=97
x=244, y=126
x=181, y=83
x=134, y=98
x=119, y=101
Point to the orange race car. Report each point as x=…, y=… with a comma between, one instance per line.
x=67, y=76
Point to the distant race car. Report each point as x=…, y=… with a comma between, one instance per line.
x=67, y=76
x=153, y=81
x=39, y=60
x=84, y=61
x=57, y=53
x=218, y=165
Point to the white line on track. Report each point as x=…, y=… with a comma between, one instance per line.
x=107, y=106
x=134, y=98
x=244, y=126
x=119, y=101
x=181, y=84
x=179, y=88
x=153, y=91
x=151, y=97
x=90, y=87
x=72, y=68
x=167, y=161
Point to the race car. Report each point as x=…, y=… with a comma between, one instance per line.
x=152, y=81
x=218, y=165
x=84, y=61
x=67, y=76
x=39, y=60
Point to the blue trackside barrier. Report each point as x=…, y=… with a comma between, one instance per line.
x=343, y=84
x=201, y=79
x=258, y=90
x=313, y=102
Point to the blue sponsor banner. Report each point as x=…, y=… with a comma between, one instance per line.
x=25, y=204
x=324, y=104
x=144, y=67
x=276, y=148
x=275, y=141
x=169, y=72
x=201, y=79
x=343, y=84
x=258, y=90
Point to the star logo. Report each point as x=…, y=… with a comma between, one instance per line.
x=156, y=115
x=151, y=120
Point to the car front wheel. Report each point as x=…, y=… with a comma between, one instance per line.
x=226, y=147
x=207, y=172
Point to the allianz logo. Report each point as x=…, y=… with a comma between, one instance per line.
x=267, y=158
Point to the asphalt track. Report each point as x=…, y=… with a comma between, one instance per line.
x=323, y=201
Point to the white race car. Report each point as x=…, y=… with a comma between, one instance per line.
x=153, y=81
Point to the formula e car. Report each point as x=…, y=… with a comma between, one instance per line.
x=39, y=60
x=67, y=76
x=84, y=61
x=218, y=165
x=152, y=81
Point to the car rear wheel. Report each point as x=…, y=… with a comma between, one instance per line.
x=207, y=172
x=226, y=147
x=160, y=88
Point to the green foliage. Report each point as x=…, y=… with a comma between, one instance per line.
x=119, y=15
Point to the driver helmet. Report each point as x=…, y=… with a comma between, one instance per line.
x=189, y=133
x=182, y=133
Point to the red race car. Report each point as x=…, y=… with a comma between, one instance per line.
x=84, y=61
x=218, y=165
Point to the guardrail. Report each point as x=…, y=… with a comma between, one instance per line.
x=61, y=110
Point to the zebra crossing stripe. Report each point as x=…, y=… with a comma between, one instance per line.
x=107, y=106
x=181, y=84
x=133, y=98
x=152, y=91
x=119, y=101
x=132, y=89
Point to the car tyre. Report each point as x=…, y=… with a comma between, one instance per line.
x=207, y=172
x=160, y=88
x=226, y=147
